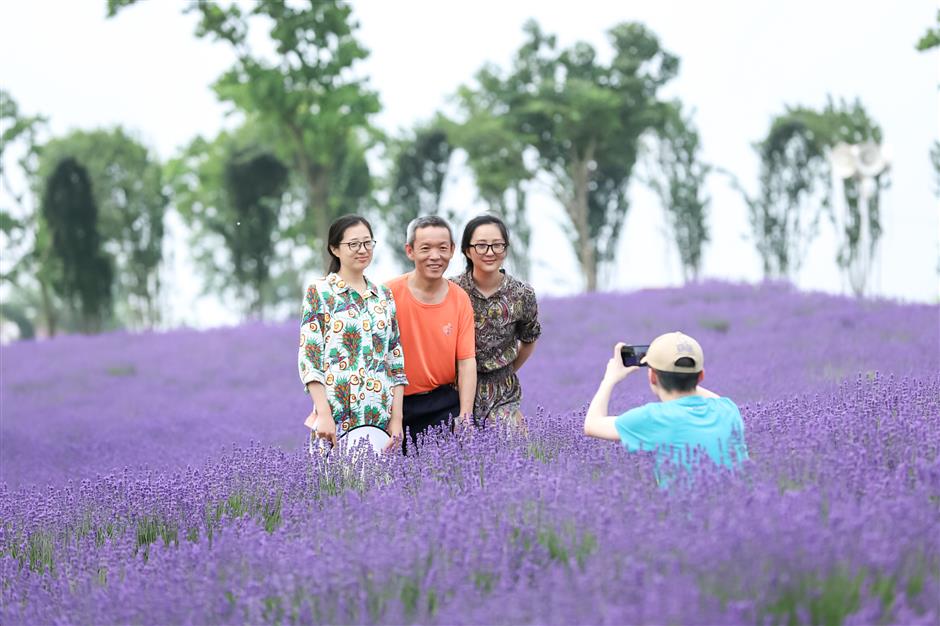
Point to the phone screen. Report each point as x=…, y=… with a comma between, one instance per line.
x=631, y=355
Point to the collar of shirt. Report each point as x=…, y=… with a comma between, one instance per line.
x=340, y=286
x=468, y=280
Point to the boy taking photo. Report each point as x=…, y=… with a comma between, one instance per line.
x=686, y=417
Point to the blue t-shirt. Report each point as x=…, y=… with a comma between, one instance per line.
x=674, y=429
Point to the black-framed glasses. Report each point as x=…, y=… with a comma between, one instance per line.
x=482, y=248
x=354, y=246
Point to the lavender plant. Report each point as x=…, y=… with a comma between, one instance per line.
x=119, y=504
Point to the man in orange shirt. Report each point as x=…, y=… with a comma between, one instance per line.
x=435, y=319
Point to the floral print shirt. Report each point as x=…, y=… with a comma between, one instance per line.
x=350, y=344
x=511, y=314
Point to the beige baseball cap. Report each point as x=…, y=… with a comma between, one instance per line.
x=669, y=348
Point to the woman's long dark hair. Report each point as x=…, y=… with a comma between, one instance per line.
x=337, y=230
x=471, y=226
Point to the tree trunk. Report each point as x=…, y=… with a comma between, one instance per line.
x=47, y=309
x=317, y=187
x=256, y=303
x=318, y=191
x=577, y=208
x=519, y=230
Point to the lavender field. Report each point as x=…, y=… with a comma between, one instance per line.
x=161, y=479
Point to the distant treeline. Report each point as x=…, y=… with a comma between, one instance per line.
x=84, y=238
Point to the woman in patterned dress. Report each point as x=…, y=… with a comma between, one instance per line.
x=505, y=317
x=350, y=357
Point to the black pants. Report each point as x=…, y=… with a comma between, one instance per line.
x=422, y=411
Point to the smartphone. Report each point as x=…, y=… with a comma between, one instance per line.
x=631, y=355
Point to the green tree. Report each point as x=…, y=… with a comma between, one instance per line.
x=795, y=186
x=231, y=191
x=82, y=272
x=844, y=123
x=27, y=301
x=495, y=155
x=306, y=92
x=784, y=216
x=128, y=188
x=584, y=120
x=935, y=161
x=929, y=41
x=420, y=162
x=254, y=183
x=21, y=133
x=678, y=178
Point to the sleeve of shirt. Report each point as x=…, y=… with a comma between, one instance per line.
x=466, y=335
x=528, y=328
x=394, y=356
x=637, y=429
x=310, y=358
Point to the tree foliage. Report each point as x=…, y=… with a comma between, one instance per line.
x=254, y=185
x=495, y=156
x=678, y=178
x=79, y=269
x=19, y=142
x=935, y=161
x=420, y=163
x=306, y=93
x=930, y=39
x=127, y=185
x=27, y=298
x=584, y=120
x=231, y=191
x=796, y=184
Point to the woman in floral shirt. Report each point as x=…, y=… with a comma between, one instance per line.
x=506, y=320
x=350, y=359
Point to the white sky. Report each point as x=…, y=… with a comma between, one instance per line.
x=742, y=62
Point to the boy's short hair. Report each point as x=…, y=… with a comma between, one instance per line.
x=677, y=381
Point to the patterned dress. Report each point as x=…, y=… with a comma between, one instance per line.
x=350, y=344
x=508, y=316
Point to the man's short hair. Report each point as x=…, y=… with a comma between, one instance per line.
x=428, y=221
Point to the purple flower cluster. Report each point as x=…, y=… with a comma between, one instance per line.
x=834, y=519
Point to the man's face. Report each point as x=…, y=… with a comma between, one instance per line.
x=431, y=252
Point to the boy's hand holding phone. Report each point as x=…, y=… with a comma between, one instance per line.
x=617, y=368
x=633, y=354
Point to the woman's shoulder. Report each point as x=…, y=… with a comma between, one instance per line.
x=320, y=287
x=322, y=282
x=464, y=280
x=518, y=286
x=385, y=291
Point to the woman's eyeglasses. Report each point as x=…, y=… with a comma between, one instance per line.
x=355, y=245
x=482, y=248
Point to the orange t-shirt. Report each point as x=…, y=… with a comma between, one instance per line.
x=433, y=336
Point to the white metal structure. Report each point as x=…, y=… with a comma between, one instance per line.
x=863, y=162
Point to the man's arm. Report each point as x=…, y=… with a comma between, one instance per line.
x=467, y=386
x=597, y=422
